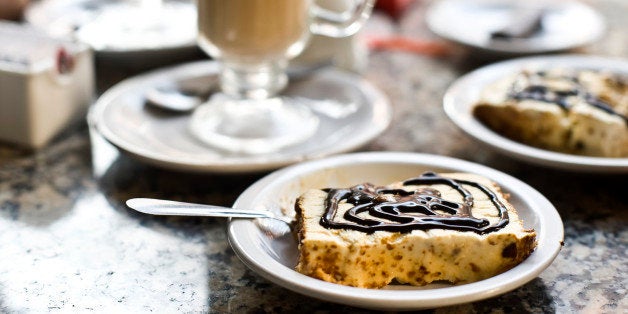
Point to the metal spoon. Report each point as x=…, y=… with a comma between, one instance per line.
x=172, y=99
x=278, y=225
x=184, y=96
x=524, y=23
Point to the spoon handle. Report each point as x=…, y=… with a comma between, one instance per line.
x=163, y=207
x=524, y=23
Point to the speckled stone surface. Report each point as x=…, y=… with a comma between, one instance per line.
x=68, y=243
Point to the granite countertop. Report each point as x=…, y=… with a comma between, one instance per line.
x=68, y=243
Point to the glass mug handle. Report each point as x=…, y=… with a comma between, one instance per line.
x=340, y=24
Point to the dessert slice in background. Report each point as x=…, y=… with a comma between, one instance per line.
x=577, y=112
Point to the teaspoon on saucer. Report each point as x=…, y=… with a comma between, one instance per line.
x=275, y=225
x=172, y=99
x=186, y=95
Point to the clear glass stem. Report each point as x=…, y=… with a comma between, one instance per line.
x=253, y=81
x=249, y=117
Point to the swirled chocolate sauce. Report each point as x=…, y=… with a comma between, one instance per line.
x=399, y=210
x=533, y=86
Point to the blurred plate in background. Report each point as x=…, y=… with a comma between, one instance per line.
x=121, y=29
x=563, y=24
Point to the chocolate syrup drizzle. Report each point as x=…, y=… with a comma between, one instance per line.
x=536, y=91
x=403, y=211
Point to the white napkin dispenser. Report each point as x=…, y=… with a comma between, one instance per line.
x=45, y=84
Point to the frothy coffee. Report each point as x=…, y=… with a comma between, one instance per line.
x=251, y=31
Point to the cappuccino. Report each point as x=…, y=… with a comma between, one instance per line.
x=252, y=31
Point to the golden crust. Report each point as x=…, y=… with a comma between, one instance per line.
x=419, y=257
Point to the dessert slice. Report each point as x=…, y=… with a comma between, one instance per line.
x=577, y=112
x=455, y=227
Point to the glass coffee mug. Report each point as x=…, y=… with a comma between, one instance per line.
x=253, y=41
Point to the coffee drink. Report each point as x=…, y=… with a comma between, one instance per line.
x=252, y=31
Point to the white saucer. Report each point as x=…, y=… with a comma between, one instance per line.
x=565, y=25
x=465, y=92
x=351, y=113
x=275, y=259
x=107, y=25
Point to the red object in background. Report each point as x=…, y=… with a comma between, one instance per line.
x=65, y=61
x=411, y=45
x=393, y=8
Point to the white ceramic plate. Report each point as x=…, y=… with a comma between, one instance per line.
x=275, y=259
x=351, y=112
x=565, y=25
x=111, y=28
x=465, y=92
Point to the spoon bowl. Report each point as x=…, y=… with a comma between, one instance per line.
x=172, y=99
x=183, y=96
